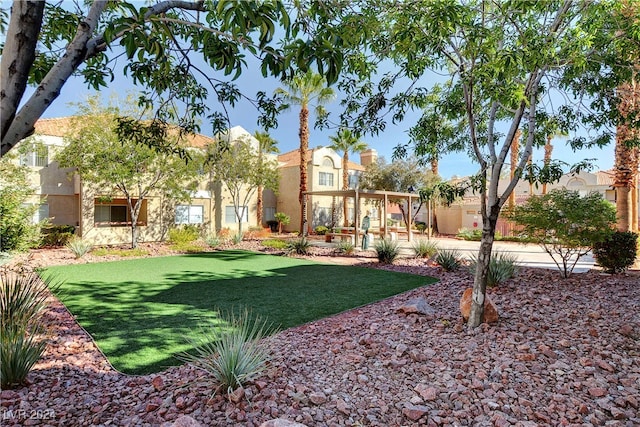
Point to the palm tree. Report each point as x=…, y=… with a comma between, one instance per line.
x=347, y=142
x=306, y=89
x=266, y=145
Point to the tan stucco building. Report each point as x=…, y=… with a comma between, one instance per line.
x=65, y=199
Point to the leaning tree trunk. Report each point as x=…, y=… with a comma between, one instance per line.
x=304, y=147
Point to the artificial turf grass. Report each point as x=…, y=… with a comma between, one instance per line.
x=141, y=311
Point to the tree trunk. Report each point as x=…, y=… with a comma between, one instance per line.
x=515, y=153
x=259, y=206
x=304, y=147
x=625, y=159
x=548, y=149
x=482, y=267
x=345, y=185
x=434, y=166
x=18, y=56
x=22, y=125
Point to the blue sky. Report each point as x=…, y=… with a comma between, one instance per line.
x=286, y=133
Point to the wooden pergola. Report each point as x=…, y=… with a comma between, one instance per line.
x=357, y=195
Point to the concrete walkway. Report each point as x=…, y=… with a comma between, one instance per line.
x=529, y=255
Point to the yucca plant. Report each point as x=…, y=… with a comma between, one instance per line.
x=231, y=350
x=449, y=260
x=79, y=246
x=425, y=248
x=387, y=250
x=22, y=304
x=237, y=238
x=345, y=247
x=299, y=246
x=502, y=266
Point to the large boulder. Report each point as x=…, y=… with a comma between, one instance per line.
x=490, y=311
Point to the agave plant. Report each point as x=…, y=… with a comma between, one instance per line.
x=79, y=246
x=299, y=246
x=425, y=248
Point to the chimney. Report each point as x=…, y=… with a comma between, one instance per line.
x=368, y=157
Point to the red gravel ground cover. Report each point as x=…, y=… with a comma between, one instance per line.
x=564, y=352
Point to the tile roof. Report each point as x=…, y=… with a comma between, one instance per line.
x=60, y=126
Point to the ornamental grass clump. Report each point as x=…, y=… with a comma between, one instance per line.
x=231, y=351
x=502, y=267
x=424, y=248
x=449, y=260
x=387, y=250
x=79, y=247
x=22, y=304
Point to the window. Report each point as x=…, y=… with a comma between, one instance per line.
x=40, y=214
x=189, y=214
x=269, y=214
x=326, y=179
x=38, y=156
x=230, y=214
x=327, y=162
x=353, y=180
x=116, y=214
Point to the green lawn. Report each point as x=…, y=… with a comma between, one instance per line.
x=139, y=311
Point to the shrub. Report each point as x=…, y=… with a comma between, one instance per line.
x=17, y=231
x=299, y=246
x=213, y=241
x=449, y=260
x=387, y=250
x=565, y=224
x=502, y=266
x=237, y=238
x=79, y=246
x=57, y=235
x=124, y=253
x=234, y=354
x=421, y=226
x=321, y=230
x=22, y=303
x=466, y=234
x=275, y=243
x=345, y=247
x=425, y=248
x=184, y=234
x=283, y=219
x=617, y=252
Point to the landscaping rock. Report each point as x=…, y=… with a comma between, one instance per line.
x=490, y=314
x=555, y=358
x=418, y=306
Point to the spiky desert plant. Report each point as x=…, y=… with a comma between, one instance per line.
x=22, y=304
x=449, y=260
x=79, y=246
x=387, y=250
x=299, y=246
x=231, y=351
x=502, y=267
x=425, y=248
x=345, y=247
